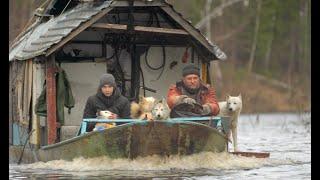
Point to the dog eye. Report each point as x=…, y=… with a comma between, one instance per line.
x=234, y=103
x=161, y=109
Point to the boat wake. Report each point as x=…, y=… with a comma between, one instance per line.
x=204, y=160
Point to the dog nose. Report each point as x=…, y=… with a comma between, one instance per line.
x=230, y=109
x=158, y=115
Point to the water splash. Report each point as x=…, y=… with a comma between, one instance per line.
x=204, y=160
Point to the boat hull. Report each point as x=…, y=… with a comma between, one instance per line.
x=141, y=138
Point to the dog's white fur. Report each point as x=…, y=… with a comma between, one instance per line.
x=161, y=110
x=232, y=108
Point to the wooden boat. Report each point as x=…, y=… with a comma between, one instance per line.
x=177, y=136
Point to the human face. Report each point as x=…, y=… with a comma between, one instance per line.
x=107, y=90
x=191, y=81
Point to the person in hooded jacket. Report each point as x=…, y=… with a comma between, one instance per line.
x=107, y=98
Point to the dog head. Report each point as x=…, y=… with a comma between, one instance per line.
x=146, y=103
x=234, y=103
x=105, y=114
x=161, y=110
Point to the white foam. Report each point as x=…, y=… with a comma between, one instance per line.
x=207, y=160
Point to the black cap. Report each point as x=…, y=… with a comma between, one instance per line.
x=107, y=79
x=190, y=69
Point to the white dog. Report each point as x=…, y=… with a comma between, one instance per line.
x=232, y=108
x=161, y=110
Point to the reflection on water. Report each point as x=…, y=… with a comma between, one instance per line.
x=286, y=136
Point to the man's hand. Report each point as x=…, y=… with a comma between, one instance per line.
x=206, y=109
x=189, y=100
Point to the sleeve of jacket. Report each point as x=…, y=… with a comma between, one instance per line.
x=210, y=99
x=89, y=110
x=125, y=111
x=172, y=96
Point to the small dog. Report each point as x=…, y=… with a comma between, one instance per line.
x=161, y=110
x=232, y=108
x=142, y=110
x=104, y=115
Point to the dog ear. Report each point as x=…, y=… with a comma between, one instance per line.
x=141, y=98
x=163, y=100
x=240, y=96
x=227, y=96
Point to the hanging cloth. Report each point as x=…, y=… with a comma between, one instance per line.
x=64, y=97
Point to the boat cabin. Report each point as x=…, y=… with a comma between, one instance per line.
x=143, y=43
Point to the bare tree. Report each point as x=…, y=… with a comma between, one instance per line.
x=215, y=12
x=255, y=38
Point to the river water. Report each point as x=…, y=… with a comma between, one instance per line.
x=286, y=136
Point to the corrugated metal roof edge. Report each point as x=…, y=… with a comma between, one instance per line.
x=44, y=52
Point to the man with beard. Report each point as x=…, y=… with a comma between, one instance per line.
x=107, y=98
x=190, y=91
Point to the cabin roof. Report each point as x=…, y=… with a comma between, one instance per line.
x=42, y=37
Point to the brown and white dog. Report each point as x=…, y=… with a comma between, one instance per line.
x=142, y=110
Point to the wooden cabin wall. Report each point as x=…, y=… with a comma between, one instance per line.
x=169, y=76
x=20, y=90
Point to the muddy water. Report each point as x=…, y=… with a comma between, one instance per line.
x=286, y=136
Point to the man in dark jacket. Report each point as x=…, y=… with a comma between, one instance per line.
x=190, y=90
x=108, y=98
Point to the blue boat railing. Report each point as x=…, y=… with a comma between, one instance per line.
x=213, y=121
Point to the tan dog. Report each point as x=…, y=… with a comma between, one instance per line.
x=142, y=110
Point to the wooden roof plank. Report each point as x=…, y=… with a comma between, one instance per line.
x=140, y=28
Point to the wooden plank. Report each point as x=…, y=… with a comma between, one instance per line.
x=51, y=100
x=19, y=91
x=125, y=3
x=19, y=134
x=13, y=82
x=109, y=26
x=188, y=27
x=252, y=154
x=27, y=91
x=160, y=30
x=78, y=30
x=140, y=28
x=37, y=86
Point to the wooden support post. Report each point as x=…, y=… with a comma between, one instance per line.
x=51, y=100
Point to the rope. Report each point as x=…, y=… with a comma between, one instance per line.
x=20, y=159
x=65, y=7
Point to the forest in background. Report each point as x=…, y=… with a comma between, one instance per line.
x=268, y=44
